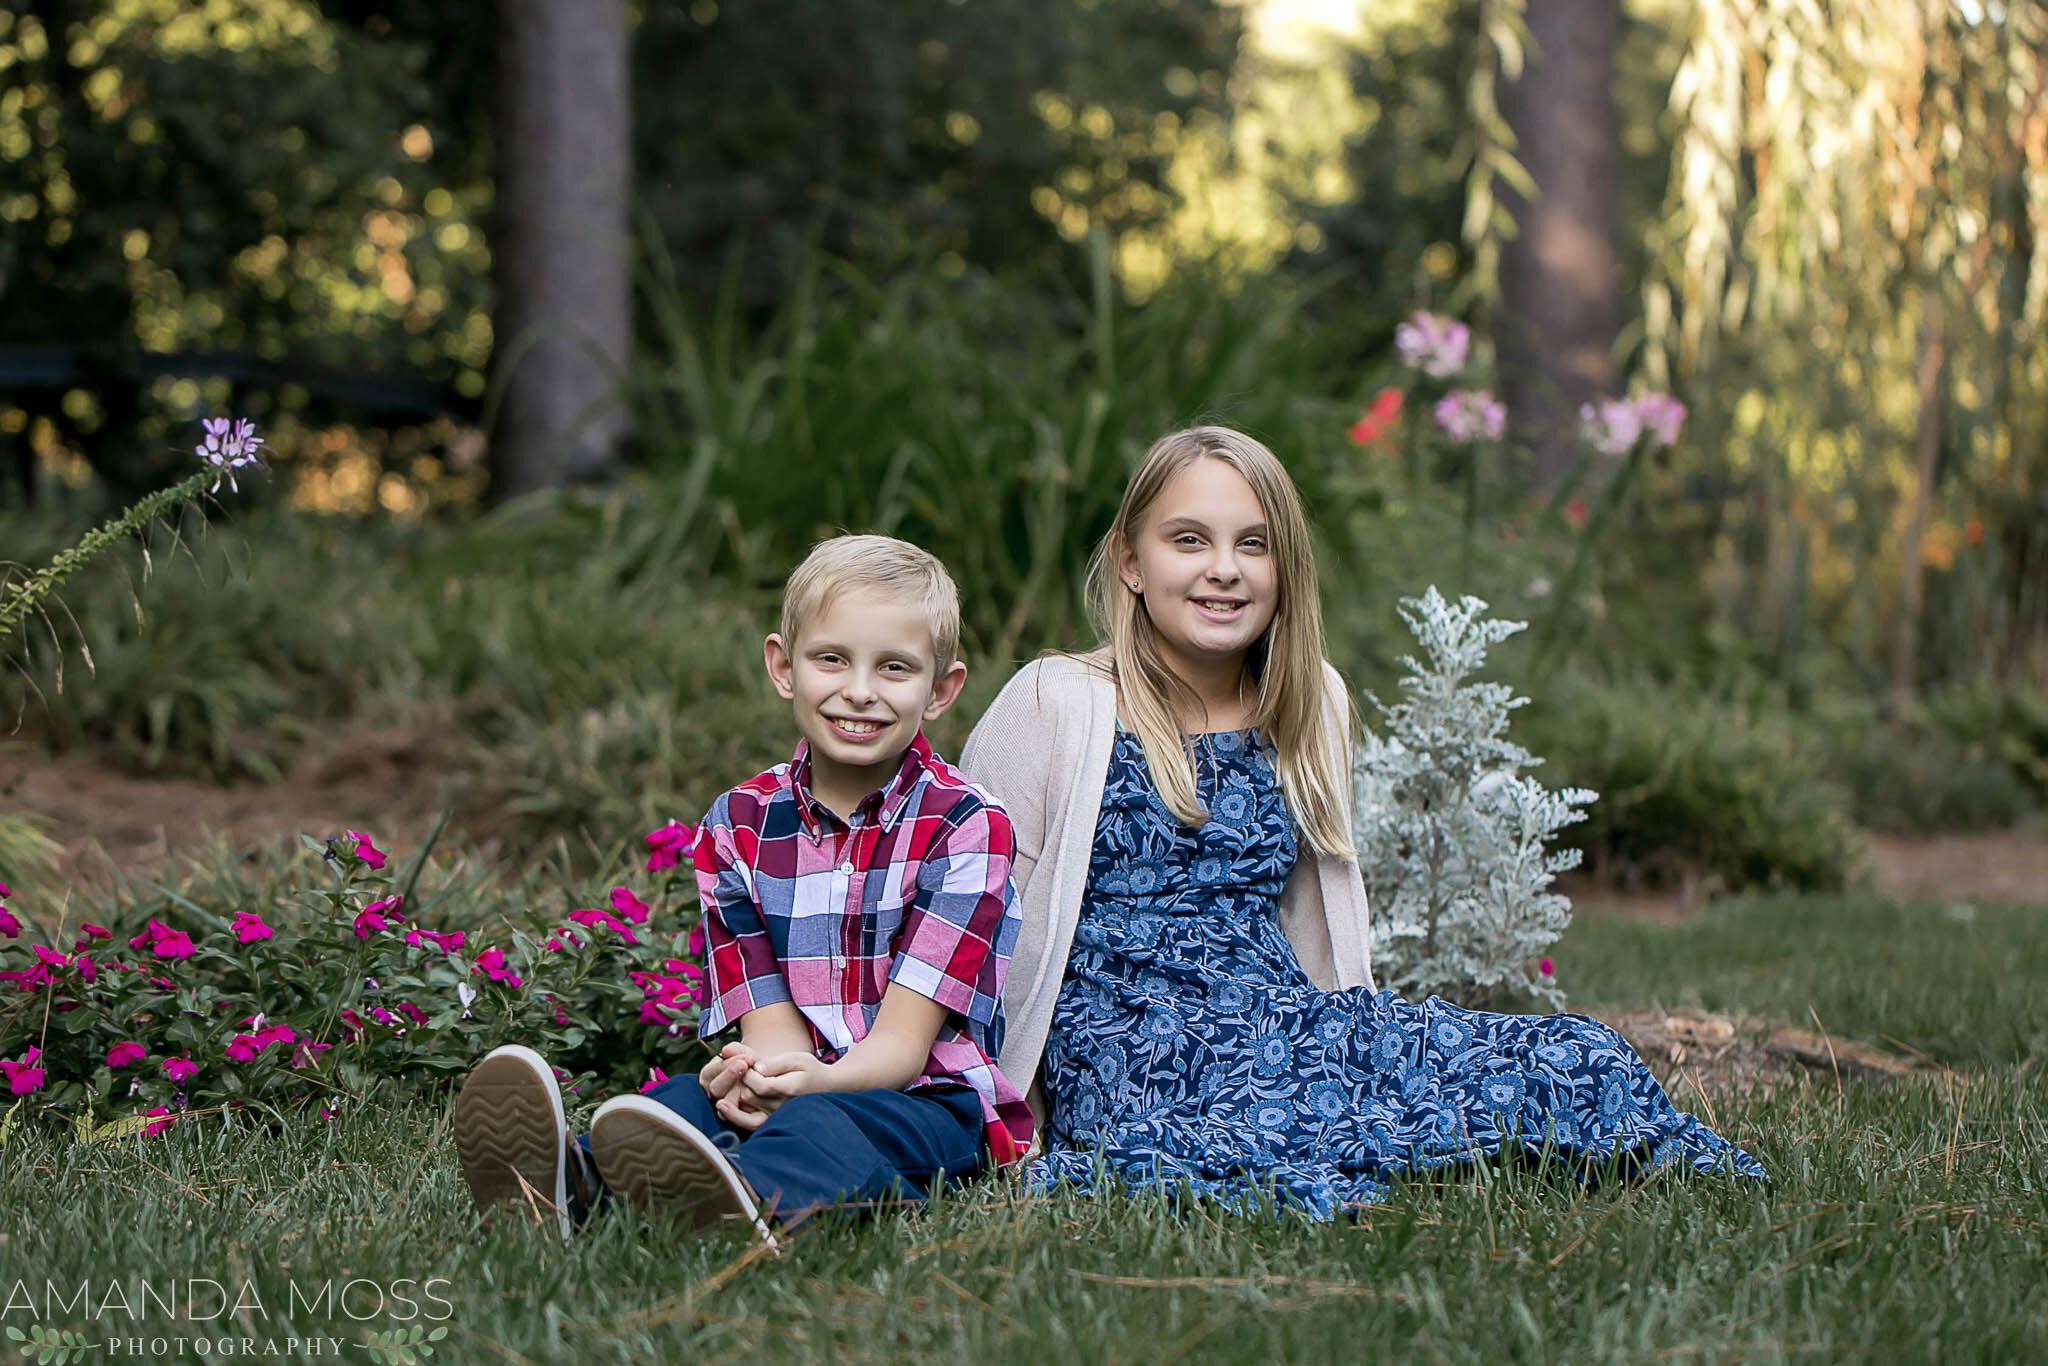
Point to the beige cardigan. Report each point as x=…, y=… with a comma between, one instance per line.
x=1043, y=749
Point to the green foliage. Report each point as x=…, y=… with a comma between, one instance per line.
x=1694, y=791
x=1925, y=774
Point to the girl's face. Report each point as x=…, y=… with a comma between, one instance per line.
x=1203, y=560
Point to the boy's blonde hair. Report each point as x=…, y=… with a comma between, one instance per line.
x=902, y=571
x=1285, y=664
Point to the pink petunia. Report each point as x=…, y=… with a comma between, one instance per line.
x=250, y=927
x=125, y=1052
x=379, y=916
x=695, y=943
x=595, y=918
x=450, y=942
x=86, y=967
x=89, y=931
x=23, y=1076
x=50, y=958
x=163, y=941
x=243, y=1048
x=180, y=1069
x=9, y=926
x=629, y=906
x=671, y=844
x=152, y=1130
x=370, y=854
x=655, y=1077
x=27, y=979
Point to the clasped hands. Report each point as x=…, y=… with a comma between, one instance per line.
x=745, y=1088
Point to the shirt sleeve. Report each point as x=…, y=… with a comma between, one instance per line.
x=745, y=974
x=960, y=929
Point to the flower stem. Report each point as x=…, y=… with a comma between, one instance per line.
x=18, y=601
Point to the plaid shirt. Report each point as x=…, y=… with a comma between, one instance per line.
x=800, y=906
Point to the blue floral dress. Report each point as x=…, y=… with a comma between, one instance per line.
x=1188, y=1048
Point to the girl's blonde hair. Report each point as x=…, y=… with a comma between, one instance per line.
x=1285, y=664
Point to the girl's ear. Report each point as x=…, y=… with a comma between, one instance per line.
x=946, y=691
x=1126, y=561
x=776, y=655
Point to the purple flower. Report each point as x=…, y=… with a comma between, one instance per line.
x=378, y=915
x=180, y=1069
x=229, y=446
x=1433, y=344
x=1468, y=414
x=121, y=1054
x=671, y=844
x=9, y=926
x=249, y=927
x=1661, y=416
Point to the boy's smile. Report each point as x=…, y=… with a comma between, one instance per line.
x=864, y=679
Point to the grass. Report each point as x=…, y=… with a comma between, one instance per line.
x=1908, y=1223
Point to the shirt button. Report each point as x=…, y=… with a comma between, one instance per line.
x=846, y=867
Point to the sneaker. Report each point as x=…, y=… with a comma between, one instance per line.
x=653, y=1158
x=512, y=1136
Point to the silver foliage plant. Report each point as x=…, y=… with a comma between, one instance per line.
x=1451, y=834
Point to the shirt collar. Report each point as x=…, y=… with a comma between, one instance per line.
x=892, y=797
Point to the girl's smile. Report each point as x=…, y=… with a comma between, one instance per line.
x=1204, y=566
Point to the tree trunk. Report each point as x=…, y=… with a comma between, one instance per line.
x=1559, y=276
x=564, y=316
x=1927, y=451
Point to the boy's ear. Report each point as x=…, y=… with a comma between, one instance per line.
x=776, y=655
x=946, y=691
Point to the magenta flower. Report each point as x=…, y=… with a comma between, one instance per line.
x=370, y=854
x=152, y=1130
x=695, y=943
x=23, y=1076
x=9, y=926
x=180, y=1070
x=671, y=844
x=556, y=944
x=491, y=963
x=1433, y=344
x=596, y=918
x=89, y=931
x=123, y=1053
x=86, y=968
x=451, y=942
x=249, y=927
x=28, y=979
x=50, y=958
x=655, y=1077
x=629, y=906
x=378, y=916
x=162, y=940
x=243, y=1048
x=308, y=1052
x=1546, y=969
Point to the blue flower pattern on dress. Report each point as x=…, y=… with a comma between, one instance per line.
x=1188, y=1048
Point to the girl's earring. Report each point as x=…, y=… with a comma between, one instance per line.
x=1135, y=586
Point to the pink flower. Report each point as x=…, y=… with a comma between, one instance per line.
x=180, y=1069
x=629, y=906
x=1467, y=414
x=595, y=918
x=695, y=943
x=162, y=940
x=1661, y=416
x=249, y=927
x=1433, y=344
x=450, y=942
x=491, y=963
x=1546, y=969
x=23, y=1076
x=370, y=854
x=9, y=926
x=123, y=1053
x=50, y=958
x=1611, y=425
x=90, y=931
x=243, y=1048
x=556, y=944
x=671, y=844
x=86, y=968
x=655, y=1077
x=152, y=1130
x=28, y=979
x=308, y=1052
x=378, y=916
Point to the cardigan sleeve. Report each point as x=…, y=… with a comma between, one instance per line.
x=1010, y=753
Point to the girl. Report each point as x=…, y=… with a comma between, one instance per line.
x=1191, y=995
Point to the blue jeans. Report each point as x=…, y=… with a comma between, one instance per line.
x=835, y=1150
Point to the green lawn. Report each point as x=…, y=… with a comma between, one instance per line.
x=1905, y=1224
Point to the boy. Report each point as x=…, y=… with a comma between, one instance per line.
x=859, y=919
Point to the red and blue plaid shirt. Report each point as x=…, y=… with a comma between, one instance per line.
x=801, y=906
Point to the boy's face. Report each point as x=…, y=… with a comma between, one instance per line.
x=864, y=680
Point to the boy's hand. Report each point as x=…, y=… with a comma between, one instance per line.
x=723, y=1072
x=770, y=1081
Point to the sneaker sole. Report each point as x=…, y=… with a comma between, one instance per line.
x=509, y=1135
x=654, y=1160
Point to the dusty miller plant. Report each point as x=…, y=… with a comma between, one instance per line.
x=1451, y=834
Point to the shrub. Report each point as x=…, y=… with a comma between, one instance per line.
x=241, y=994
x=1451, y=834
